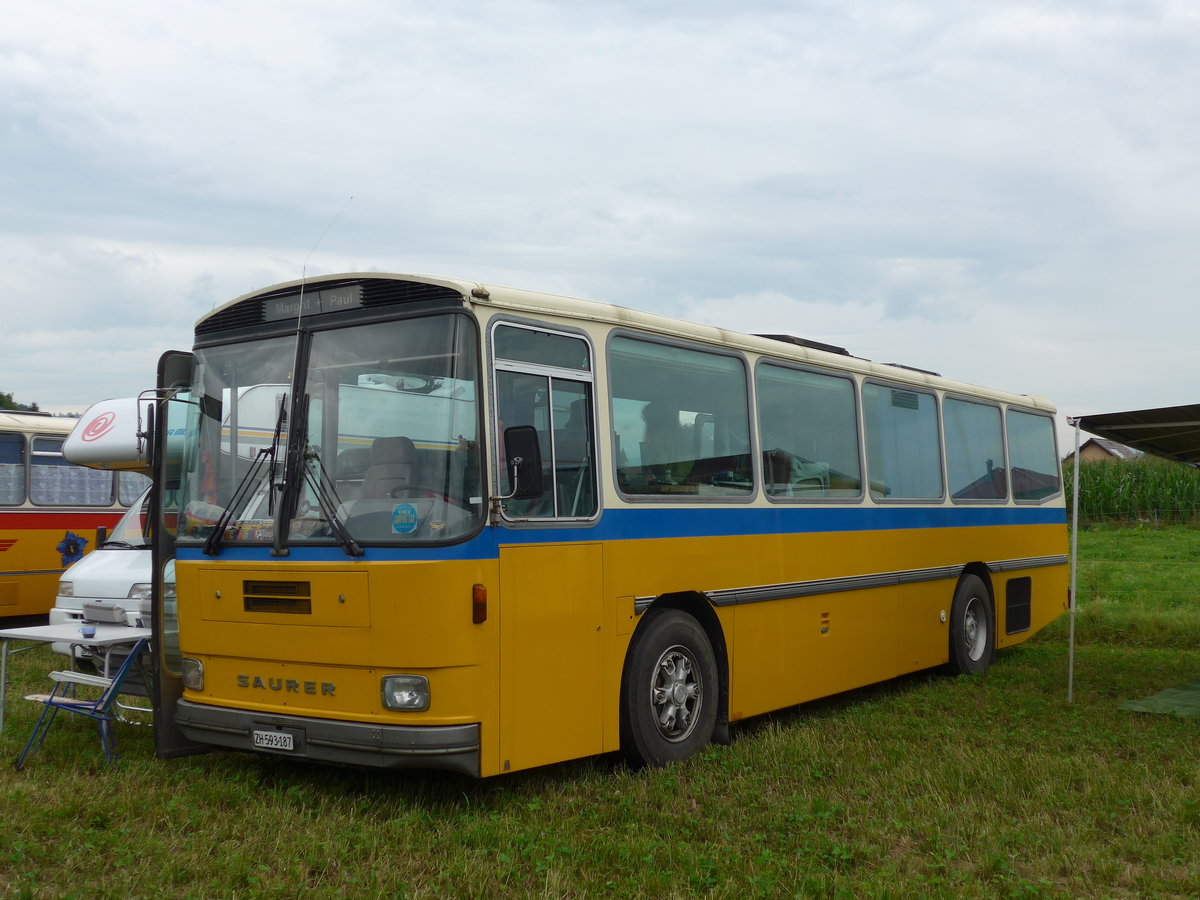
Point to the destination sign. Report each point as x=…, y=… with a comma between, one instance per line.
x=329, y=300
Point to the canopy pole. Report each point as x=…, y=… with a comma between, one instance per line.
x=1074, y=563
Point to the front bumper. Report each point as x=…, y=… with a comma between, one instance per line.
x=451, y=747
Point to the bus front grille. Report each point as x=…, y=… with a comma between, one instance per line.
x=293, y=597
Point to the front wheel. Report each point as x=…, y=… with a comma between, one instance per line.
x=972, y=627
x=669, y=690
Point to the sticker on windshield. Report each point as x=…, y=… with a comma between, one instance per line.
x=404, y=518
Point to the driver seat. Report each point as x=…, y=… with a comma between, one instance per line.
x=393, y=465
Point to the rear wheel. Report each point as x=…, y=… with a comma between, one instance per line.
x=669, y=690
x=972, y=627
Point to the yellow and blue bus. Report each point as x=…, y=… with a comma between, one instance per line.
x=425, y=522
x=51, y=512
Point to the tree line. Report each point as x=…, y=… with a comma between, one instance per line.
x=7, y=402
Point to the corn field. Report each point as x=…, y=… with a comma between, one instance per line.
x=1148, y=490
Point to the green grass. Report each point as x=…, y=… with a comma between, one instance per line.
x=984, y=786
x=1139, y=586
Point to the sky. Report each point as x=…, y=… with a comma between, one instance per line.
x=1007, y=194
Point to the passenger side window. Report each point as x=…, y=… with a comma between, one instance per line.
x=544, y=379
x=680, y=420
x=55, y=482
x=974, y=451
x=903, y=456
x=809, y=428
x=1034, y=458
x=12, y=468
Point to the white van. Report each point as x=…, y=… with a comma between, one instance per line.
x=117, y=572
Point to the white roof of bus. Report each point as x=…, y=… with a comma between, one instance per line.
x=26, y=421
x=536, y=303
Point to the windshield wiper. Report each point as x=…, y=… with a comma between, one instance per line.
x=274, y=452
x=120, y=545
x=212, y=546
x=329, y=501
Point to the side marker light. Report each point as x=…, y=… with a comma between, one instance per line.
x=479, y=604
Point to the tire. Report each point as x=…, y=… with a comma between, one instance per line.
x=669, y=692
x=972, y=627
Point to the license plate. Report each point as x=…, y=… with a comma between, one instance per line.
x=274, y=740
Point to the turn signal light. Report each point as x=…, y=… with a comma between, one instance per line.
x=479, y=604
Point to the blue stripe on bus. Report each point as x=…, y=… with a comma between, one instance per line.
x=642, y=524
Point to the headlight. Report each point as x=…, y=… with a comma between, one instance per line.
x=66, y=589
x=192, y=671
x=406, y=692
x=140, y=592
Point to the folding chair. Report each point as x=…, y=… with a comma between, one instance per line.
x=102, y=709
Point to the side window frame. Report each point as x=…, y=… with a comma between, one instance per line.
x=857, y=418
x=938, y=442
x=21, y=443
x=1004, y=464
x=71, y=472
x=747, y=374
x=1034, y=501
x=551, y=373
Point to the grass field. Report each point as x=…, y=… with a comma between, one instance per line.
x=983, y=786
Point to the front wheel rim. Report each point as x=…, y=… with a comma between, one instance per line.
x=676, y=693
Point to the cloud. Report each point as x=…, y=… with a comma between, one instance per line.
x=1003, y=193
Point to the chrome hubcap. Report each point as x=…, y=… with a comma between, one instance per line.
x=975, y=634
x=676, y=693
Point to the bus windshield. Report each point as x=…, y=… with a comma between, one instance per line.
x=389, y=422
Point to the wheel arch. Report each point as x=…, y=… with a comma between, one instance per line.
x=700, y=608
x=984, y=574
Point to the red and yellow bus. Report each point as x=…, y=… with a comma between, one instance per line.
x=50, y=510
x=428, y=522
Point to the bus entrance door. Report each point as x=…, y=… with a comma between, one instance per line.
x=551, y=686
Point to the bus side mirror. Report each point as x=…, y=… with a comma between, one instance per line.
x=147, y=438
x=523, y=462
